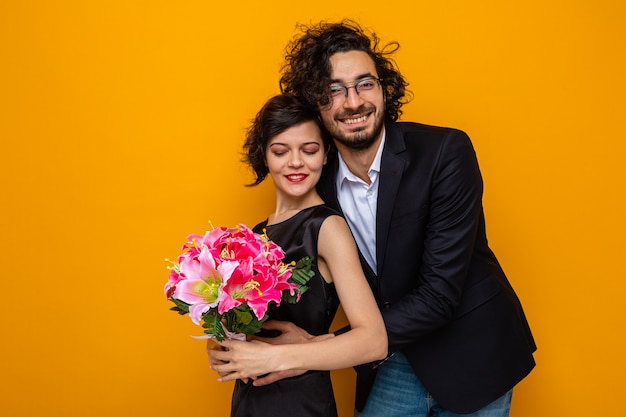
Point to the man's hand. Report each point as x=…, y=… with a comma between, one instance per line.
x=289, y=334
x=276, y=376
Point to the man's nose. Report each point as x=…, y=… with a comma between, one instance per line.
x=353, y=99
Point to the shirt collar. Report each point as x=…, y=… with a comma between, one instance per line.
x=344, y=172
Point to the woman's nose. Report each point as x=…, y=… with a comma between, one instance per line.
x=295, y=160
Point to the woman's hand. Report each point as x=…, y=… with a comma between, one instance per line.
x=212, y=345
x=260, y=358
x=289, y=334
x=241, y=360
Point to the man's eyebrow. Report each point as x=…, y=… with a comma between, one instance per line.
x=358, y=78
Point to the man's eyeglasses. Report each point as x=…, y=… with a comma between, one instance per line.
x=365, y=86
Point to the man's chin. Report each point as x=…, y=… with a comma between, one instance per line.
x=357, y=140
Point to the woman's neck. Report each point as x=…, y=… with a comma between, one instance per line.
x=286, y=208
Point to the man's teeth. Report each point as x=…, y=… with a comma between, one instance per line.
x=357, y=120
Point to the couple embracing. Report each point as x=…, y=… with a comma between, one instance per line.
x=391, y=213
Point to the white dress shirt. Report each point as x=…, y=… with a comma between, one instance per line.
x=358, y=201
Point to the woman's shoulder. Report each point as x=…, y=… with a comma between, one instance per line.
x=333, y=222
x=325, y=211
x=260, y=226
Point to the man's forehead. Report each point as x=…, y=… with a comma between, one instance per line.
x=351, y=65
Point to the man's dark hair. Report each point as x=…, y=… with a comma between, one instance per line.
x=306, y=71
x=277, y=115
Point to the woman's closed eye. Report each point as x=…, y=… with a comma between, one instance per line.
x=311, y=149
x=307, y=149
x=278, y=149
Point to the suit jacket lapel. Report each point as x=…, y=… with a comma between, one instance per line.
x=391, y=168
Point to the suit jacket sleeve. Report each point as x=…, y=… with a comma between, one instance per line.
x=450, y=231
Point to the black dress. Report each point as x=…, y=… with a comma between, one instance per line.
x=310, y=394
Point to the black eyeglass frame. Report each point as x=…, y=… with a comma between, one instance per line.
x=335, y=88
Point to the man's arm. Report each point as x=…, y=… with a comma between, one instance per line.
x=451, y=230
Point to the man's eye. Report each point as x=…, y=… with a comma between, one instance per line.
x=336, y=90
x=366, y=85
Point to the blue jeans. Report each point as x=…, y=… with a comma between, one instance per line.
x=396, y=382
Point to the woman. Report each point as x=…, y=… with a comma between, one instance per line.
x=286, y=142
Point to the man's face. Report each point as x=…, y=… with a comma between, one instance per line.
x=355, y=115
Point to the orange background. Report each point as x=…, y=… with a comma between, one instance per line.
x=120, y=126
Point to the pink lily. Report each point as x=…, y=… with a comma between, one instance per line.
x=202, y=286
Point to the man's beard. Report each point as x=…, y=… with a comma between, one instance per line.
x=360, y=139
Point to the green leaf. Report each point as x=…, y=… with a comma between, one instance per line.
x=251, y=328
x=181, y=307
x=243, y=317
x=179, y=311
x=300, y=275
x=212, y=323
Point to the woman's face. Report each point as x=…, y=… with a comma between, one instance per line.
x=295, y=159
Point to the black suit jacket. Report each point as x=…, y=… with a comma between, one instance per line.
x=446, y=301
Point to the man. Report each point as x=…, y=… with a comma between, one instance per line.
x=412, y=195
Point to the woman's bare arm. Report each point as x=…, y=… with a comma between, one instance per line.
x=366, y=340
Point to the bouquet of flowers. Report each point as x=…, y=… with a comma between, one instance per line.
x=227, y=279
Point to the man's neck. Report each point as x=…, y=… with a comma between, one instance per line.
x=359, y=161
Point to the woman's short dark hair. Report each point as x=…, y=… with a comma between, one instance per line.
x=277, y=115
x=306, y=71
